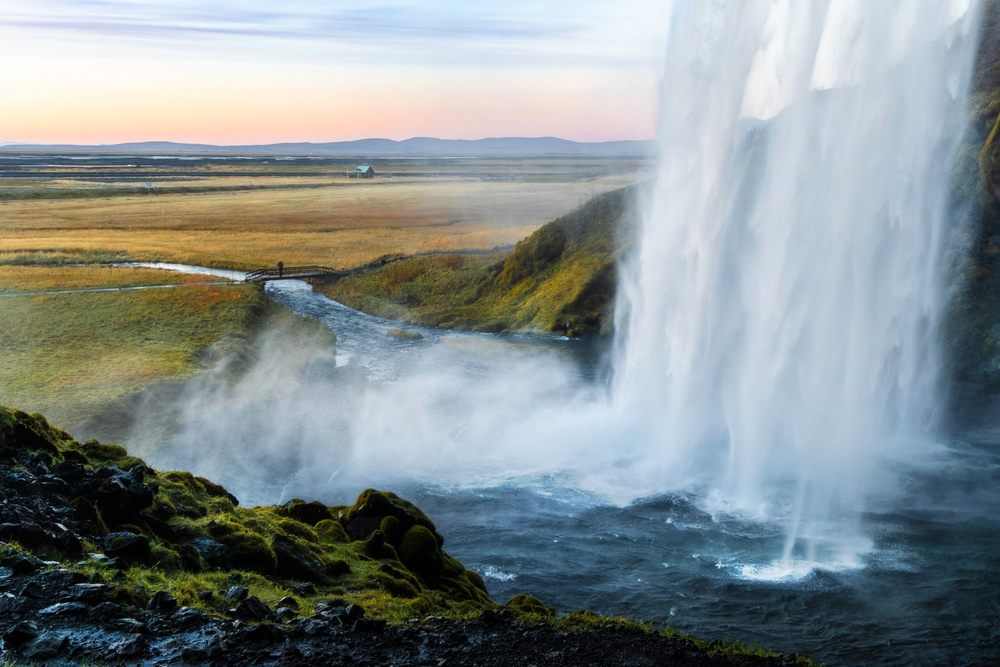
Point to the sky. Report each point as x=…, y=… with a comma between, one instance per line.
x=226, y=72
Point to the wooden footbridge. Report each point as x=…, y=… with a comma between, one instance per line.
x=292, y=273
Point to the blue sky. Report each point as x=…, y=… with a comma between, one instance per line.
x=232, y=72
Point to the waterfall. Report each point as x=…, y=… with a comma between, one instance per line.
x=780, y=315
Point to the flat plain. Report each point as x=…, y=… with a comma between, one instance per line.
x=252, y=212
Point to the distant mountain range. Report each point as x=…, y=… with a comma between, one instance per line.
x=508, y=146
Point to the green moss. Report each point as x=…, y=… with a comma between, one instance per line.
x=331, y=532
x=299, y=530
x=530, y=606
x=246, y=549
x=420, y=552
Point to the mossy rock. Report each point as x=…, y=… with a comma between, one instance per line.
x=420, y=552
x=477, y=581
x=309, y=513
x=245, y=549
x=393, y=530
x=373, y=506
x=337, y=567
x=6, y=427
x=331, y=532
x=528, y=604
x=165, y=558
x=217, y=490
x=296, y=561
x=376, y=547
x=299, y=530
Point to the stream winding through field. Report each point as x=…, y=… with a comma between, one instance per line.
x=927, y=592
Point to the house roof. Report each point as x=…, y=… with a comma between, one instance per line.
x=363, y=168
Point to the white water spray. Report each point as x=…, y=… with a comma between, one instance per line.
x=780, y=334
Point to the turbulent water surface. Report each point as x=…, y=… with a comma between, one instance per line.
x=926, y=591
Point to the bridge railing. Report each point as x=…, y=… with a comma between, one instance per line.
x=260, y=275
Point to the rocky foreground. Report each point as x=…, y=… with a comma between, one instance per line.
x=105, y=560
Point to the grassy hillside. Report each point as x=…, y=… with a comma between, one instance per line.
x=74, y=355
x=561, y=278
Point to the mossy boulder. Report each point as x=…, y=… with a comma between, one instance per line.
x=372, y=506
x=528, y=604
x=295, y=561
x=217, y=490
x=331, y=532
x=419, y=551
x=244, y=549
x=376, y=547
x=309, y=513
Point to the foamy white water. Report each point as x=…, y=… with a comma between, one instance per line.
x=781, y=316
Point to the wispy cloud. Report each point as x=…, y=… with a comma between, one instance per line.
x=578, y=33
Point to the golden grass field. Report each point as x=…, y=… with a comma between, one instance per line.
x=347, y=223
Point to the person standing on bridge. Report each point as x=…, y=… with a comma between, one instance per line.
x=281, y=269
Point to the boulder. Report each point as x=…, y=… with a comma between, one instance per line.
x=295, y=561
x=420, y=552
x=163, y=602
x=252, y=609
x=128, y=546
x=238, y=593
x=310, y=513
x=21, y=633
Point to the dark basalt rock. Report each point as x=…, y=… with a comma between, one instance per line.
x=237, y=593
x=33, y=591
x=21, y=633
x=64, y=609
x=252, y=609
x=305, y=590
x=163, y=602
x=132, y=646
x=295, y=561
x=127, y=545
x=47, y=646
x=88, y=593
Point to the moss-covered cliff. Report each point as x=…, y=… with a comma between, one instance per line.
x=561, y=279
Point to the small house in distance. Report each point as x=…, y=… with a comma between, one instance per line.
x=364, y=171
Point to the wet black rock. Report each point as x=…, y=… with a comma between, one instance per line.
x=237, y=593
x=189, y=617
x=132, y=646
x=252, y=609
x=305, y=590
x=107, y=611
x=89, y=593
x=32, y=590
x=263, y=633
x=285, y=614
x=64, y=609
x=47, y=646
x=163, y=602
x=127, y=545
x=20, y=633
x=369, y=625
